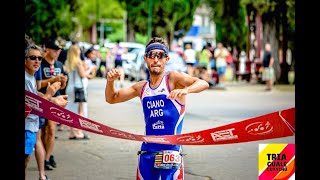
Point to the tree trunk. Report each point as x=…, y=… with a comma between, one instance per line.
x=169, y=39
x=269, y=35
x=130, y=27
x=130, y=33
x=284, y=64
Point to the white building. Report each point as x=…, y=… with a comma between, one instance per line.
x=203, y=29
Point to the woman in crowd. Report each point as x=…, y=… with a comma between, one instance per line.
x=78, y=77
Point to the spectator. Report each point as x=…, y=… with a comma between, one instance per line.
x=204, y=59
x=267, y=64
x=230, y=71
x=117, y=51
x=220, y=54
x=33, y=58
x=104, y=53
x=189, y=56
x=63, y=54
x=204, y=67
x=52, y=71
x=179, y=50
x=90, y=56
x=77, y=73
x=212, y=60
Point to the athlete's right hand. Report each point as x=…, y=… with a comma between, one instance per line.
x=113, y=74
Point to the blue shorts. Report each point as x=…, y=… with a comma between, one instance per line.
x=222, y=70
x=146, y=170
x=213, y=63
x=30, y=139
x=118, y=63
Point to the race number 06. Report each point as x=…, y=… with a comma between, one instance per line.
x=168, y=158
x=171, y=158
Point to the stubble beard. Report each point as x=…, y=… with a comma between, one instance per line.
x=156, y=73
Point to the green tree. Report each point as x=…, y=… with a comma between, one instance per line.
x=69, y=18
x=167, y=17
x=278, y=28
x=48, y=18
x=137, y=14
x=230, y=19
x=91, y=13
x=178, y=15
x=277, y=18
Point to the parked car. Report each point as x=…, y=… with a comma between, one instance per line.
x=133, y=48
x=176, y=63
x=139, y=70
x=84, y=45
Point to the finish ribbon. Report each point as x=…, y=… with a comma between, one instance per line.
x=270, y=126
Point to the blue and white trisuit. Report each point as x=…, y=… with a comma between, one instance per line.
x=162, y=117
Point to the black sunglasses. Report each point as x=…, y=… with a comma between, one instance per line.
x=35, y=57
x=154, y=54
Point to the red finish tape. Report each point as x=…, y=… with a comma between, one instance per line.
x=269, y=126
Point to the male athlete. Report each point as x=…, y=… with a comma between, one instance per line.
x=163, y=99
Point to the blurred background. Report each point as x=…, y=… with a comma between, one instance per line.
x=243, y=25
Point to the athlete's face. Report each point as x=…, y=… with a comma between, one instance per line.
x=156, y=60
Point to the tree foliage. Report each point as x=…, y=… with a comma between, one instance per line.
x=47, y=18
x=270, y=10
x=230, y=19
x=278, y=21
x=167, y=16
x=91, y=12
x=53, y=18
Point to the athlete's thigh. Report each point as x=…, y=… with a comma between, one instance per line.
x=146, y=168
x=173, y=174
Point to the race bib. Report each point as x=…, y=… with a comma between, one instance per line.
x=168, y=159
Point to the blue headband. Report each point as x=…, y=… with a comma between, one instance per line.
x=157, y=46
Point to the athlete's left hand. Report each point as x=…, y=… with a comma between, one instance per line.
x=177, y=93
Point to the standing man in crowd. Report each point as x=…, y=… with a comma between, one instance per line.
x=33, y=58
x=52, y=71
x=168, y=90
x=220, y=54
x=117, y=51
x=104, y=53
x=189, y=56
x=268, y=70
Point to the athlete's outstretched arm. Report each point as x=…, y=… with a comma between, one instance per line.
x=124, y=94
x=184, y=84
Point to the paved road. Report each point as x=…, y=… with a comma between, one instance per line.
x=107, y=158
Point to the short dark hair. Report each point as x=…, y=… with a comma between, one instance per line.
x=158, y=40
x=89, y=51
